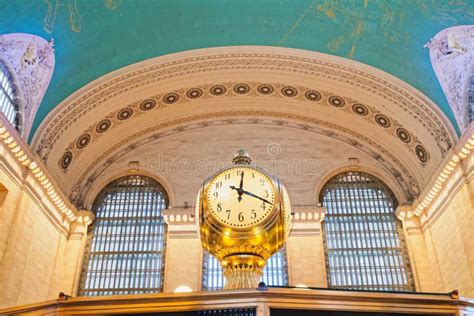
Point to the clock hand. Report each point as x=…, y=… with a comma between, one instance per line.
x=239, y=191
x=256, y=196
x=241, y=186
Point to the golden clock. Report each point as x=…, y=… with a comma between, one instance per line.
x=244, y=218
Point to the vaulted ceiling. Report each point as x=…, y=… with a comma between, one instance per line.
x=206, y=103
x=93, y=38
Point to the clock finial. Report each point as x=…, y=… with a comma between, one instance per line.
x=242, y=157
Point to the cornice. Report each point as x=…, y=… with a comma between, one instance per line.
x=456, y=171
x=314, y=299
x=34, y=177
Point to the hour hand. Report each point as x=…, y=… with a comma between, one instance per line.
x=239, y=191
x=256, y=196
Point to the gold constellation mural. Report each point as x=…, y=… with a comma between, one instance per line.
x=356, y=16
x=74, y=16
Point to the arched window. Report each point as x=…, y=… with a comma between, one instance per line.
x=126, y=246
x=275, y=272
x=363, y=240
x=8, y=103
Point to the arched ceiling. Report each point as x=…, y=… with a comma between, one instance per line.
x=93, y=38
x=220, y=93
x=180, y=160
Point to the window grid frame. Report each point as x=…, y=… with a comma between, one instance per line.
x=359, y=220
x=9, y=106
x=131, y=236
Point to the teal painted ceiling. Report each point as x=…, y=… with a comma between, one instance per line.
x=95, y=37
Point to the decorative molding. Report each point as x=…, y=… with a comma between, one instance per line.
x=180, y=215
x=462, y=152
x=404, y=212
x=308, y=213
x=85, y=217
x=306, y=220
x=181, y=222
x=452, y=174
x=14, y=146
x=323, y=98
x=293, y=62
x=332, y=96
x=31, y=61
x=302, y=298
x=452, y=58
x=106, y=158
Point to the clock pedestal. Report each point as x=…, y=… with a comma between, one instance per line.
x=244, y=216
x=242, y=271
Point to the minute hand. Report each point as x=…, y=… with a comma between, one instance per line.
x=256, y=196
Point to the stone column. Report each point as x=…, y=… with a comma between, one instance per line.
x=306, y=266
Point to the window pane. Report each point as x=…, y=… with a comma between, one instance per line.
x=8, y=102
x=275, y=272
x=127, y=240
x=362, y=237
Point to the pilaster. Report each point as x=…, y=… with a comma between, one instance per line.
x=305, y=251
x=74, y=253
x=183, y=250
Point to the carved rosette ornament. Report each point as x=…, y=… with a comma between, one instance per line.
x=244, y=217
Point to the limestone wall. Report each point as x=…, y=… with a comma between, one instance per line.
x=441, y=241
x=449, y=236
x=450, y=243
x=29, y=246
x=38, y=242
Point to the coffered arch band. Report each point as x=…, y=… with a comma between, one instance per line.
x=346, y=105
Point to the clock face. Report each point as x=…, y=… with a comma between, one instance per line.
x=241, y=197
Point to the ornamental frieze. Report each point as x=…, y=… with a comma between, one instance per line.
x=88, y=99
x=254, y=89
x=385, y=158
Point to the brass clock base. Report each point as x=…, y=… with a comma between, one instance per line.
x=242, y=279
x=242, y=271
